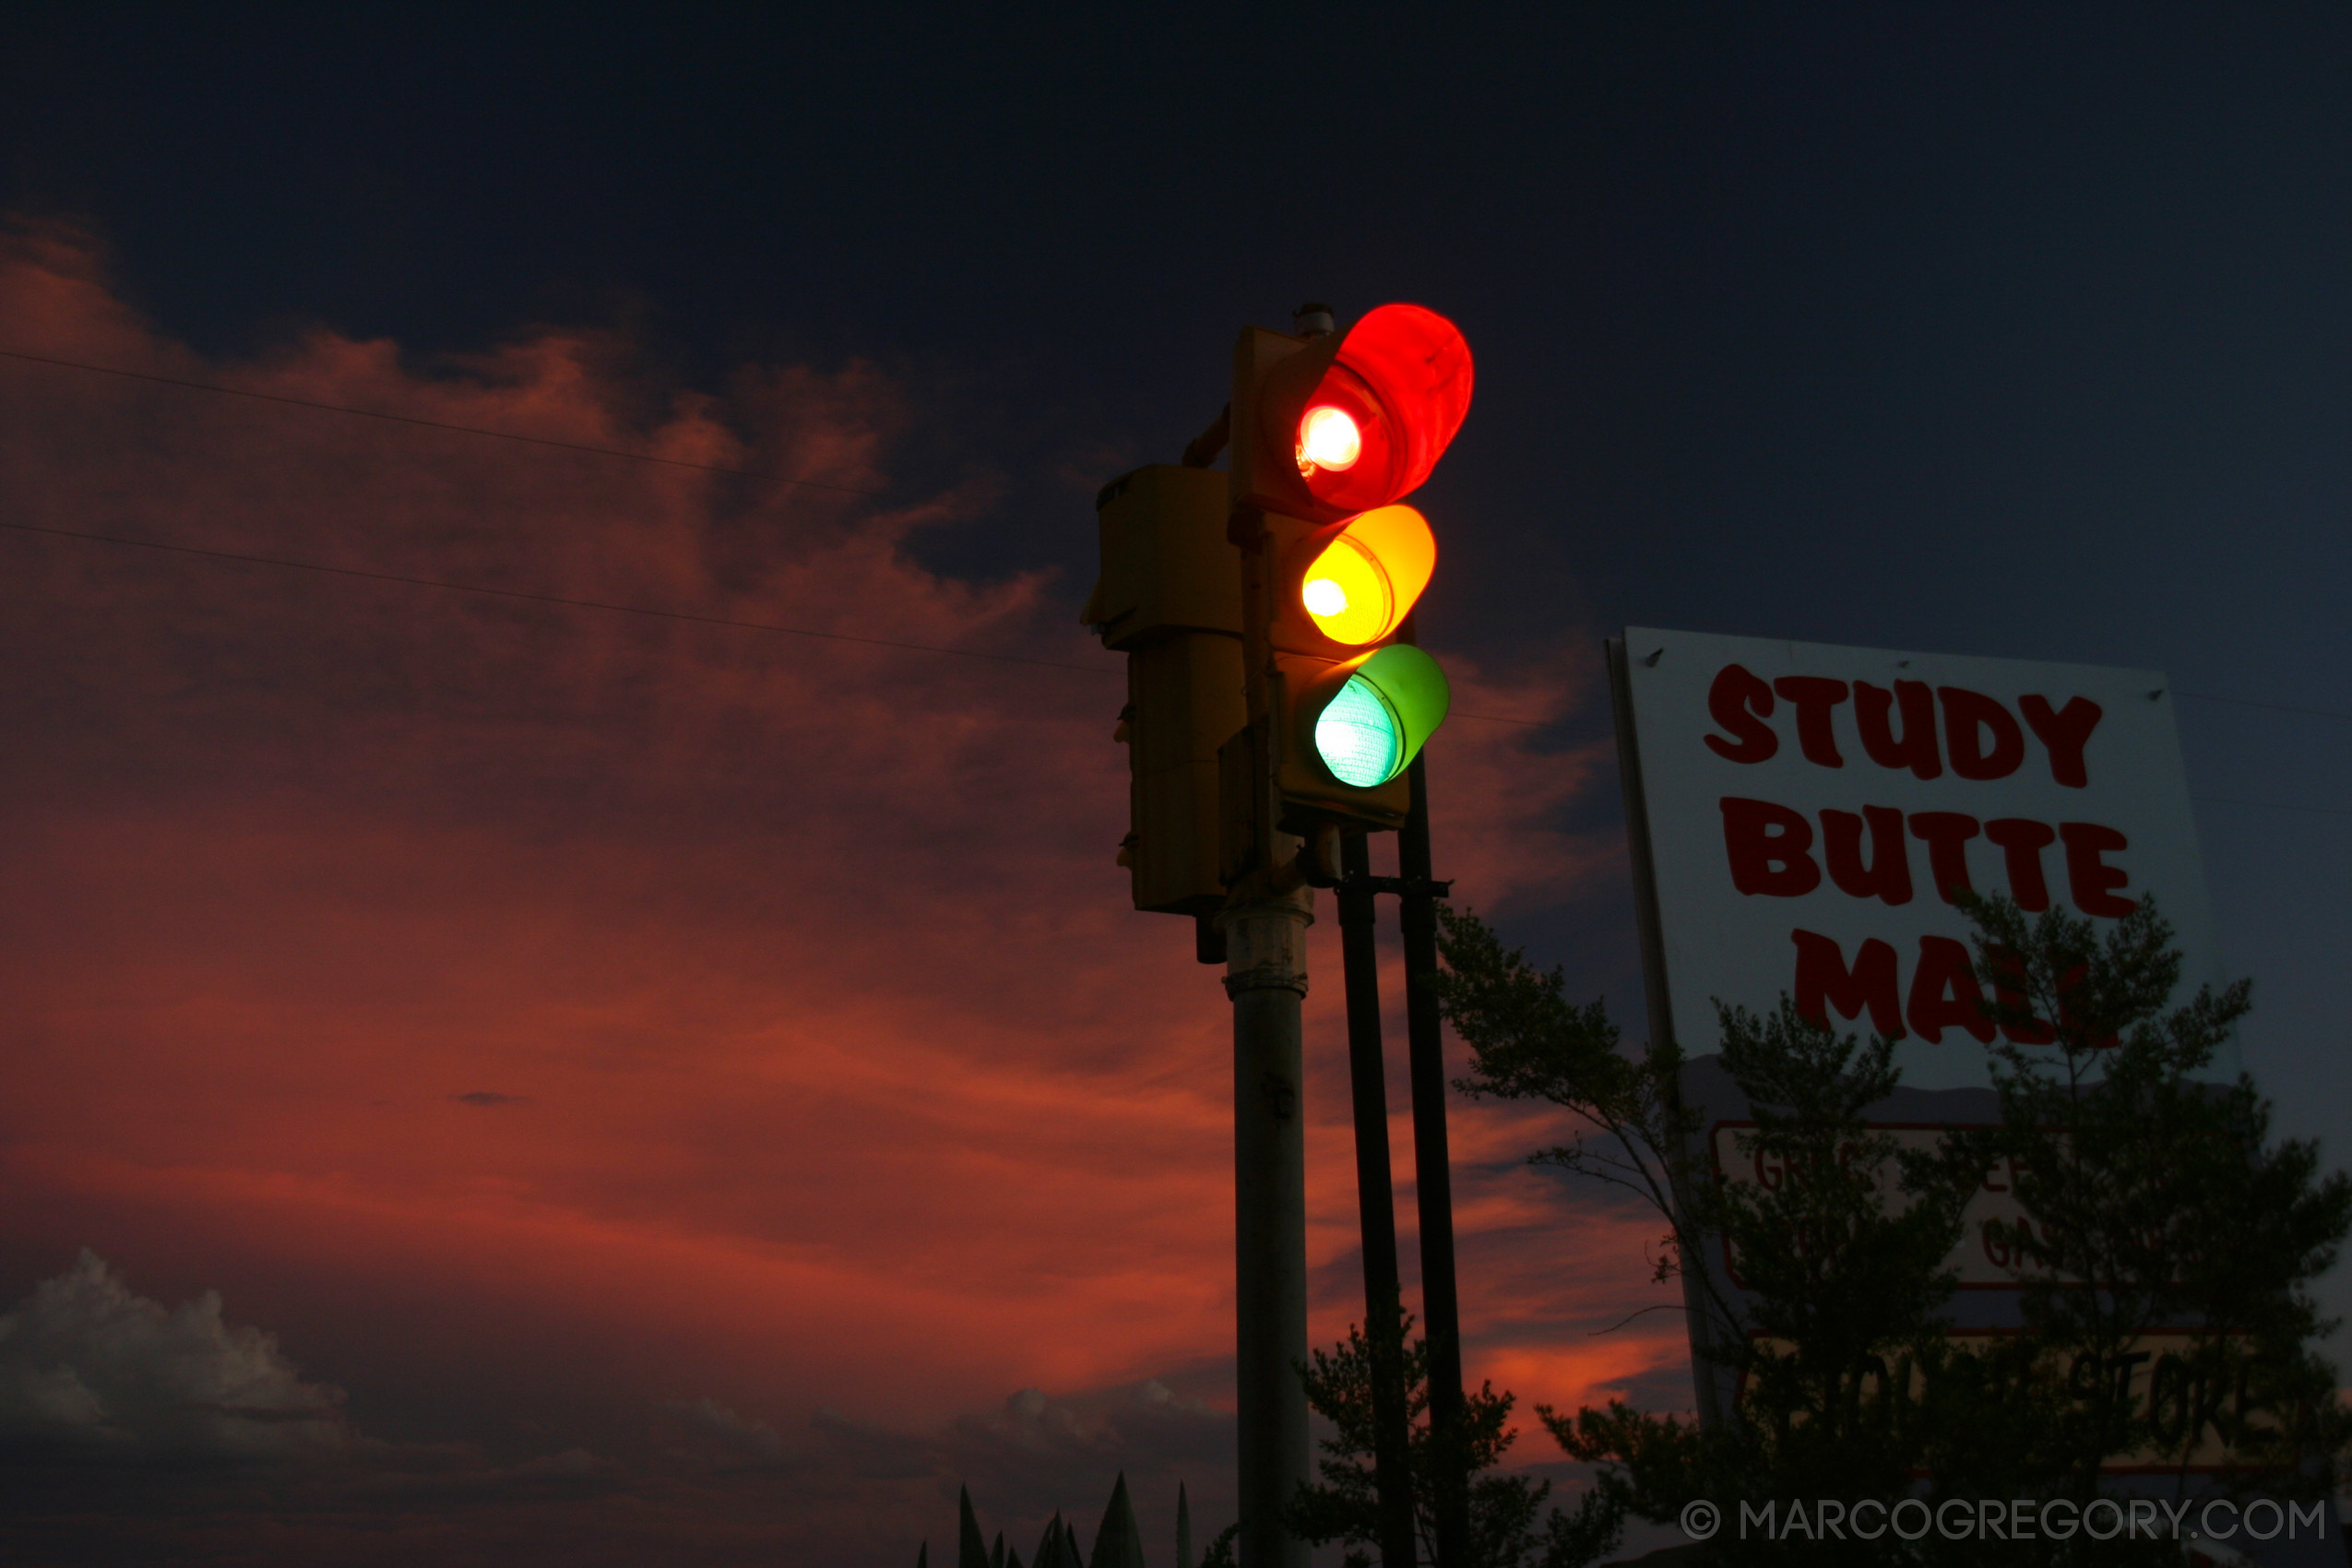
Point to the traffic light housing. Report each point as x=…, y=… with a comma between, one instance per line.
x=1170, y=597
x=1348, y=585
x=1328, y=433
x=1326, y=427
x=1348, y=731
x=1264, y=611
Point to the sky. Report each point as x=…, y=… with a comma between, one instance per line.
x=521, y=1081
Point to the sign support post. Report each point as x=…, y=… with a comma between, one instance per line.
x=1432, y=1162
x=1376, y=1202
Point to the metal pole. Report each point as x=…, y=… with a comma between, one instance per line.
x=1376, y=1202
x=1432, y=1173
x=1265, y=974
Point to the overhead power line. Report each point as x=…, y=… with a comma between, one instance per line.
x=714, y=468
x=447, y=586
x=512, y=593
x=557, y=599
x=2273, y=706
x=435, y=424
x=851, y=638
x=2271, y=806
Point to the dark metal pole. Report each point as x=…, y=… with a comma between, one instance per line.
x=1376, y=1202
x=1265, y=928
x=1266, y=977
x=1432, y=1174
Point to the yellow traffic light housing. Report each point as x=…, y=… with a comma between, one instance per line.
x=1329, y=433
x=1348, y=585
x=1260, y=610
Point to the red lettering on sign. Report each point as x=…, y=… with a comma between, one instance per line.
x=1823, y=981
x=2008, y=1243
x=1812, y=697
x=2008, y=973
x=1945, y=994
x=1766, y=844
x=2091, y=879
x=1946, y=834
x=1967, y=716
x=2022, y=842
x=2064, y=732
x=1740, y=702
x=1887, y=875
x=1916, y=747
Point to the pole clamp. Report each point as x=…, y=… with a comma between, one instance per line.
x=1403, y=886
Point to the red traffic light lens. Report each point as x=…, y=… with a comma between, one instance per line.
x=1385, y=410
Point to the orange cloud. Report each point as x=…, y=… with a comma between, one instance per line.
x=742, y=1015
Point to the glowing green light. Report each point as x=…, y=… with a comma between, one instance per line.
x=1359, y=737
x=1391, y=704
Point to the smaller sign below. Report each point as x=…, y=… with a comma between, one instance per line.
x=1985, y=1258
x=2189, y=1392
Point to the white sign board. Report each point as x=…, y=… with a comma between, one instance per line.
x=1804, y=812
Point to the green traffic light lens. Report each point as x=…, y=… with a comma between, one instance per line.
x=1373, y=726
x=1359, y=737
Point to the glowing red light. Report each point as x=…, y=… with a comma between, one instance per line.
x=1328, y=439
x=1402, y=380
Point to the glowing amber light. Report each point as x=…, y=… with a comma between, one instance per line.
x=1325, y=597
x=1365, y=580
x=1328, y=439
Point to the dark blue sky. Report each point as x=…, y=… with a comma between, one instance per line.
x=2010, y=329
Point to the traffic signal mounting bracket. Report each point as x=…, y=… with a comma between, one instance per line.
x=1170, y=597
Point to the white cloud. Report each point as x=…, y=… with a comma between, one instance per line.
x=85, y=1366
x=1139, y=1421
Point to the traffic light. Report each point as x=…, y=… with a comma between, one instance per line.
x=1328, y=433
x=1329, y=426
x=1170, y=597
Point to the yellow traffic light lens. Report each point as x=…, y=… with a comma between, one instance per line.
x=1347, y=594
x=1328, y=439
x=1359, y=588
x=1359, y=737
